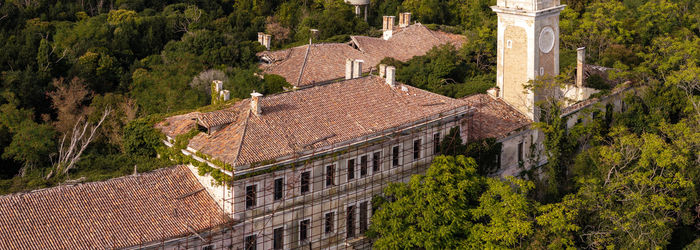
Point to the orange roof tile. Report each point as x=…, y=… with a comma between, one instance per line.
x=306, y=119
x=493, y=118
x=116, y=213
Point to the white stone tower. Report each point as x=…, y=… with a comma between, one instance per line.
x=528, y=47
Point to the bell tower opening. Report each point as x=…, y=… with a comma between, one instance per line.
x=528, y=48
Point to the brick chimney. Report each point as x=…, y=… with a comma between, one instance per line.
x=348, y=68
x=580, y=61
x=382, y=70
x=357, y=68
x=225, y=95
x=388, y=27
x=404, y=19
x=390, y=74
x=255, y=103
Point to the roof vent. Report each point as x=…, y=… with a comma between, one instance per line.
x=255, y=103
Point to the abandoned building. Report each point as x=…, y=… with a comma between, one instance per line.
x=300, y=168
x=311, y=64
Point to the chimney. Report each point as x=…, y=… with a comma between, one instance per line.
x=348, y=68
x=382, y=70
x=255, y=103
x=390, y=73
x=357, y=68
x=261, y=37
x=493, y=92
x=388, y=27
x=225, y=95
x=404, y=19
x=580, y=61
x=217, y=86
x=266, y=41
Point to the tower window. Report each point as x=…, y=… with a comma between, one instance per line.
x=541, y=71
x=509, y=44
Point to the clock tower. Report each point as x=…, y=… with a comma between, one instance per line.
x=528, y=47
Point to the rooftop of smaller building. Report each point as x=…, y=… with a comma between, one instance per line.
x=311, y=118
x=326, y=61
x=117, y=213
x=493, y=117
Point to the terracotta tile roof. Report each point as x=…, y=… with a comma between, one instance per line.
x=326, y=61
x=179, y=124
x=320, y=116
x=404, y=44
x=493, y=118
x=116, y=213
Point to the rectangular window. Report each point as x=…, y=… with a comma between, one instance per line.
x=363, y=217
x=436, y=144
x=330, y=222
x=305, y=182
x=278, y=238
x=363, y=166
x=251, y=242
x=520, y=151
x=416, y=149
x=350, y=223
x=351, y=169
x=376, y=161
x=304, y=229
x=251, y=196
x=395, y=156
x=279, y=188
x=209, y=247
x=330, y=175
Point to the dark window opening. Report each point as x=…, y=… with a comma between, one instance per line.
x=278, y=240
x=251, y=242
x=330, y=175
x=363, y=217
x=250, y=196
x=520, y=152
x=305, y=181
x=376, y=161
x=363, y=166
x=350, y=223
x=351, y=169
x=279, y=188
x=416, y=149
x=304, y=229
x=209, y=247
x=436, y=144
x=395, y=156
x=330, y=223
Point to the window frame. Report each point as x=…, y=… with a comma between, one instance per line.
x=245, y=241
x=274, y=237
x=334, y=219
x=378, y=166
x=309, y=185
x=366, y=165
x=436, y=143
x=396, y=157
x=417, y=152
x=255, y=199
x=274, y=189
x=333, y=180
x=351, y=175
x=308, y=229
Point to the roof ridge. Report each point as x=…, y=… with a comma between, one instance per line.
x=245, y=128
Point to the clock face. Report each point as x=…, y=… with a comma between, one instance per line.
x=546, y=39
